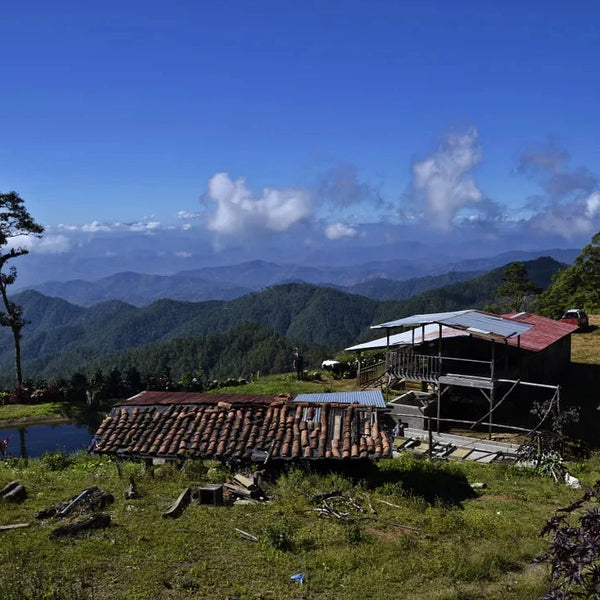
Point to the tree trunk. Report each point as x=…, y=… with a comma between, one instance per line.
x=16, y=332
x=17, y=341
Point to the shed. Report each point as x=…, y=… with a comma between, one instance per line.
x=236, y=427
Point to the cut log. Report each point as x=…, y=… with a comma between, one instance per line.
x=8, y=488
x=17, y=494
x=97, y=521
x=179, y=505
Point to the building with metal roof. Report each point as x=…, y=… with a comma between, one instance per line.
x=475, y=353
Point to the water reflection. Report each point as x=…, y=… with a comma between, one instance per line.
x=32, y=441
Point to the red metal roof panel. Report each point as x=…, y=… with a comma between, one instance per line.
x=543, y=334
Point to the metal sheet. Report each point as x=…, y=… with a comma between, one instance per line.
x=406, y=338
x=365, y=398
x=471, y=321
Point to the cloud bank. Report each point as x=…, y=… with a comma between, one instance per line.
x=238, y=211
x=569, y=204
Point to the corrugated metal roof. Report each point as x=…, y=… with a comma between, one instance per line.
x=544, y=331
x=364, y=398
x=402, y=339
x=471, y=321
x=419, y=319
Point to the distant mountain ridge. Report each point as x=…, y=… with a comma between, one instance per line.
x=381, y=280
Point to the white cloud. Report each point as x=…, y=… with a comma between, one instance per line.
x=441, y=182
x=336, y=231
x=238, y=211
x=577, y=218
x=96, y=226
x=570, y=203
x=592, y=204
x=143, y=225
x=183, y=254
x=187, y=215
x=48, y=244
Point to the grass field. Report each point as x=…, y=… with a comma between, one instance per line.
x=441, y=540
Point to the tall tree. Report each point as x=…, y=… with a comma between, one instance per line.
x=15, y=224
x=577, y=286
x=516, y=290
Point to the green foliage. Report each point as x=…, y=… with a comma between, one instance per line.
x=480, y=550
x=516, y=291
x=56, y=461
x=475, y=293
x=577, y=286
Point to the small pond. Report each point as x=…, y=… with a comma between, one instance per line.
x=33, y=440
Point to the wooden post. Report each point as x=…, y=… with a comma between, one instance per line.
x=492, y=373
x=439, y=387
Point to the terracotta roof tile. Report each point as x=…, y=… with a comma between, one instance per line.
x=156, y=424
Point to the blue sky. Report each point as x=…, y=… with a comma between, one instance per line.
x=260, y=125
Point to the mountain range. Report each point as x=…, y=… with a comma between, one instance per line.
x=381, y=280
x=62, y=337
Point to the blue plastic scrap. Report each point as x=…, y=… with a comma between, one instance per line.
x=299, y=577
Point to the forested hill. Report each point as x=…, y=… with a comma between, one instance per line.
x=478, y=292
x=62, y=337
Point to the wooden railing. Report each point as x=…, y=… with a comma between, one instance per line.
x=370, y=373
x=423, y=367
x=414, y=366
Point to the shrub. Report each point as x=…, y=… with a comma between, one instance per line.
x=574, y=553
x=20, y=395
x=56, y=461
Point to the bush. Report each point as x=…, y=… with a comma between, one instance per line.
x=56, y=461
x=20, y=395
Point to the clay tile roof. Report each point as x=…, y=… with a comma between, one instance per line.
x=236, y=426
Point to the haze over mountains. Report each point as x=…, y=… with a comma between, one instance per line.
x=382, y=280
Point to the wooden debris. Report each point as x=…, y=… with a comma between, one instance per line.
x=244, y=487
x=179, y=505
x=246, y=535
x=14, y=526
x=132, y=491
x=388, y=503
x=8, y=488
x=16, y=494
x=243, y=480
x=90, y=499
x=97, y=521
